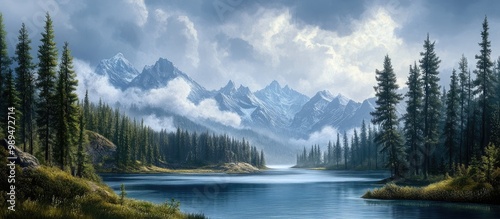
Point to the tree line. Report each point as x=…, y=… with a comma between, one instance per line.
x=43, y=95
x=51, y=122
x=440, y=128
x=357, y=152
x=137, y=143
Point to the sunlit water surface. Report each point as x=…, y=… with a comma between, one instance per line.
x=283, y=192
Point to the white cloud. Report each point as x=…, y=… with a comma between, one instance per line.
x=312, y=59
x=173, y=97
x=140, y=10
x=322, y=137
x=159, y=123
x=191, y=35
x=327, y=133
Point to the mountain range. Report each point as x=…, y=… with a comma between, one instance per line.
x=274, y=108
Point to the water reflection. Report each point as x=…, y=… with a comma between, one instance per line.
x=286, y=193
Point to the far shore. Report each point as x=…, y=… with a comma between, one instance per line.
x=229, y=168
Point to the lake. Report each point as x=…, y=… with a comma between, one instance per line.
x=283, y=192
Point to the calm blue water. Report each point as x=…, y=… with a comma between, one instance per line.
x=286, y=193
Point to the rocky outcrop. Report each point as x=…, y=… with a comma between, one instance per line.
x=101, y=151
x=240, y=167
x=24, y=160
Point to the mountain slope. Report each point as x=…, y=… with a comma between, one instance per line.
x=312, y=111
x=162, y=72
x=274, y=112
x=283, y=103
x=118, y=69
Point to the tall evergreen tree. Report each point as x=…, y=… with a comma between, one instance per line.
x=11, y=98
x=451, y=124
x=370, y=147
x=346, y=149
x=497, y=85
x=67, y=116
x=413, y=118
x=385, y=115
x=363, y=142
x=464, y=95
x=80, y=153
x=355, y=158
x=338, y=150
x=262, y=159
x=429, y=65
x=484, y=83
x=25, y=86
x=329, y=154
x=5, y=63
x=45, y=83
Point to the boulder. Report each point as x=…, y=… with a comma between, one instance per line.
x=240, y=167
x=24, y=160
x=101, y=151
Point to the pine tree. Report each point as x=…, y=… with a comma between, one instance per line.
x=25, y=86
x=338, y=150
x=346, y=149
x=123, y=194
x=80, y=154
x=262, y=159
x=329, y=154
x=67, y=116
x=363, y=142
x=125, y=146
x=464, y=95
x=355, y=149
x=413, y=118
x=370, y=146
x=497, y=85
x=11, y=97
x=484, y=83
x=429, y=65
x=45, y=83
x=385, y=115
x=451, y=124
x=5, y=63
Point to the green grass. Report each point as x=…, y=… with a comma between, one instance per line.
x=48, y=192
x=458, y=189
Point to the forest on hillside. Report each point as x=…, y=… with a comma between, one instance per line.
x=442, y=131
x=51, y=120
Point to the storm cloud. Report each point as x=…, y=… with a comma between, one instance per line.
x=309, y=45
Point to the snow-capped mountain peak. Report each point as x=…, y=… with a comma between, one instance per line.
x=118, y=69
x=276, y=108
x=229, y=88
x=342, y=99
x=274, y=86
x=325, y=95
x=162, y=72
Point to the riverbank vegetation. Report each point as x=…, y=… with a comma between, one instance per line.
x=479, y=183
x=48, y=192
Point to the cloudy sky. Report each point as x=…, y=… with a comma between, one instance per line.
x=309, y=45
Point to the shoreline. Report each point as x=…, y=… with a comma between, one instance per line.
x=228, y=168
x=453, y=190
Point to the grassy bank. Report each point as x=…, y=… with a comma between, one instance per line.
x=48, y=192
x=458, y=189
x=479, y=183
x=221, y=168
